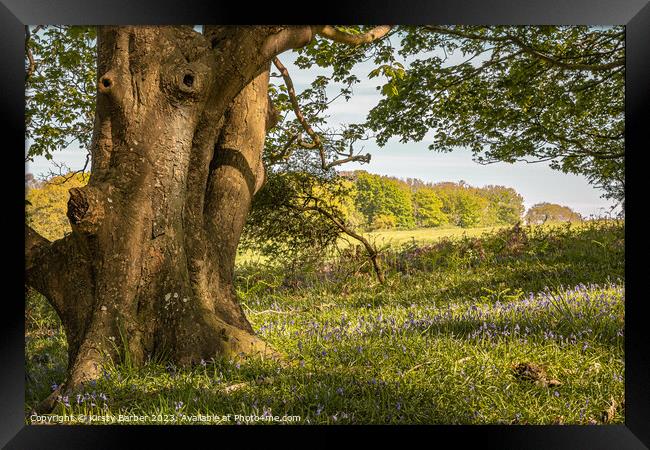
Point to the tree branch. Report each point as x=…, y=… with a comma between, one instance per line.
x=316, y=141
x=61, y=271
x=528, y=49
x=570, y=66
x=68, y=174
x=34, y=242
x=329, y=32
x=581, y=147
x=355, y=158
x=285, y=39
x=30, y=55
x=286, y=151
x=296, y=107
x=38, y=266
x=373, y=254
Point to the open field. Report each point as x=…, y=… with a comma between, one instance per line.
x=388, y=238
x=424, y=235
x=429, y=235
x=398, y=237
x=512, y=327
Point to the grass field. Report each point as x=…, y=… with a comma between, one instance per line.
x=502, y=327
x=425, y=235
x=389, y=238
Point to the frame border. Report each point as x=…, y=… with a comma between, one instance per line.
x=635, y=14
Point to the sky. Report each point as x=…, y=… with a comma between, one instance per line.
x=535, y=182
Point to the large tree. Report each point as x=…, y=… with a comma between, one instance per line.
x=188, y=127
x=551, y=212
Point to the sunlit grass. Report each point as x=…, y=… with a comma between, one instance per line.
x=424, y=235
x=436, y=344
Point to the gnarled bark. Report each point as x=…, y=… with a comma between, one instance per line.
x=179, y=129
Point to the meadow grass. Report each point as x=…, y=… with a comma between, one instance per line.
x=438, y=343
x=396, y=237
x=424, y=235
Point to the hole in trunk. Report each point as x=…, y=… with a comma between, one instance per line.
x=188, y=80
x=105, y=84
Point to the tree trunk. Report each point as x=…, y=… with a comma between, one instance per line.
x=180, y=124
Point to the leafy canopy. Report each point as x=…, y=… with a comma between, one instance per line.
x=508, y=93
x=551, y=212
x=60, y=88
x=533, y=93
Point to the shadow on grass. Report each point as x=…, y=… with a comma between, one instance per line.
x=353, y=395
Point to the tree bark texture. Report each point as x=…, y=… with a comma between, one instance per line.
x=180, y=123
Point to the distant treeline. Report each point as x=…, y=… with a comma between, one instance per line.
x=374, y=202
x=389, y=202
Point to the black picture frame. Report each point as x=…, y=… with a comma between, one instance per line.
x=635, y=14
